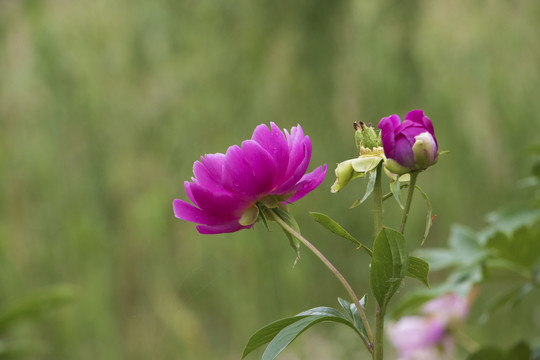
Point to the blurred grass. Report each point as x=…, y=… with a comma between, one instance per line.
x=104, y=106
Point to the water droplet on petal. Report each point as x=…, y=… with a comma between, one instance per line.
x=236, y=183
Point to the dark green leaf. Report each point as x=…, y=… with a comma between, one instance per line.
x=520, y=351
x=418, y=269
x=521, y=248
x=488, y=353
x=429, y=217
x=388, y=265
x=268, y=332
x=291, y=332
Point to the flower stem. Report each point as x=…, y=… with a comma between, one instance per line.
x=410, y=194
x=367, y=341
x=378, y=223
x=377, y=201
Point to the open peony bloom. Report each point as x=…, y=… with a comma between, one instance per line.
x=267, y=170
x=409, y=145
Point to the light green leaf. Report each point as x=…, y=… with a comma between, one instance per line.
x=353, y=313
x=395, y=188
x=429, y=217
x=365, y=163
x=291, y=332
x=370, y=185
x=336, y=228
x=388, y=265
x=418, y=269
x=513, y=217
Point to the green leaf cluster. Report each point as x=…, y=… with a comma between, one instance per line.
x=279, y=334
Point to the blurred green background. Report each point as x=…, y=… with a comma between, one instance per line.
x=104, y=106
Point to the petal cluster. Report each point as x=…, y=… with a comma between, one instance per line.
x=268, y=168
x=409, y=145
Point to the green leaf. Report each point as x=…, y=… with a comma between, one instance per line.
x=395, y=188
x=336, y=228
x=488, y=353
x=388, y=265
x=510, y=218
x=353, y=313
x=267, y=333
x=521, y=248
x=520, y=351
x=370, y=185
x=429, y=217
x=418, y=269
x=291, y=332
x=323, y=310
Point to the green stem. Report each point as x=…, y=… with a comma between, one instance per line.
x=367, y=341
x=379, y=333
x=410, y=194
x=377, y=201
x=378, y=223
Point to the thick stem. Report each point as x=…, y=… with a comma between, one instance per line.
x=410, y=194
x=377, y=201
x=378, y=223
x=367, y=341
x=379, y=333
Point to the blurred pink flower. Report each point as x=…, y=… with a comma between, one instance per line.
x=448, y=308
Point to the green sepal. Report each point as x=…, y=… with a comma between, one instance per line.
x=388, y=265
x=289, y=220
x=250, y=216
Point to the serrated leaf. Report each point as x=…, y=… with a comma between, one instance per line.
x=522, y=247
x=418, y=269
x=429, y=217
x=388, y=265
x=336, y=228
x=291, y=332
x=265, y=334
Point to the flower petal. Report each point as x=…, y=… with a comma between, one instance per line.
x=222, y=206
x=308, y=183
x=276, y=144
x=262, y=165
x=238, y=176
x=419, y=117
x=221, y=228
x=188, y=212
x=388, y=126
x=209, y=170
x=403, y=153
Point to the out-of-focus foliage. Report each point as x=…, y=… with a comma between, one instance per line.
x=104, y=106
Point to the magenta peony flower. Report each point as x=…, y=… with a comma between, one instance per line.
x=448, y=308
x=267, y=170
x=409, y=145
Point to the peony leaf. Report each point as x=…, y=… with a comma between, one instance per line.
x=291, y=332
x=429, y=217
x=388, y=265
x=336, y=228
x=289, y=220
x=418, y=269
